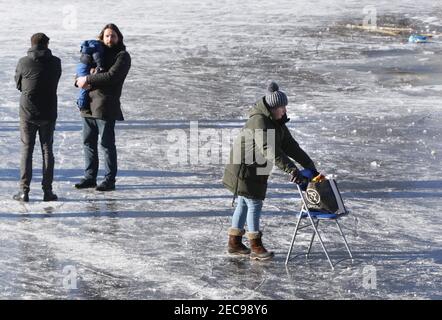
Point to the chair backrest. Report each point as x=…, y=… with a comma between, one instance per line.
x=341, y=206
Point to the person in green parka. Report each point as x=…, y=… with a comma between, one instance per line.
x=264, y=140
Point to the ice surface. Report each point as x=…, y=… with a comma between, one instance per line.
x=356, y=99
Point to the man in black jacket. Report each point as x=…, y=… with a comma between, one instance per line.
x=37, y=77
x=105, y=108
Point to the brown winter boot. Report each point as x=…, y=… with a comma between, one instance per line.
x=258, y=250
x=235, y=242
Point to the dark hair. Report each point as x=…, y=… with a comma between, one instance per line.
x=117, y=31
x=39, y=39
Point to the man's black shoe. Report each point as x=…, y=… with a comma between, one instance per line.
x=106, y=186
x=21, y=196
x=49, y=196
x=86, y=183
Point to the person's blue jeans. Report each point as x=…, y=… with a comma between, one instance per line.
x=247, y=209
x=92, y=129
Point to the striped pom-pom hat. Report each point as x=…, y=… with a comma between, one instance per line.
x=275, y=98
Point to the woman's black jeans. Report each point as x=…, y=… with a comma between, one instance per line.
x=92, y=130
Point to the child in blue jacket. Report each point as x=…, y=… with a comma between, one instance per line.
x=91, y=57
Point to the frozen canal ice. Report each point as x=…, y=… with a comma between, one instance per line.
x=365, y=106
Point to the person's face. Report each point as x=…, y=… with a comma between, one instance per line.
x=278, y=113
x=110, y=38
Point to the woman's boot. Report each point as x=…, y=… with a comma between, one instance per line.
x=258, y=250
x=235, y=242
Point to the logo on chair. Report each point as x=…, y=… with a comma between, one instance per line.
x=313, y=196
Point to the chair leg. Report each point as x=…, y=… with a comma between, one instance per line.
x=322, y=243
x=311, y=241
x=345, y=240
x=293, y=238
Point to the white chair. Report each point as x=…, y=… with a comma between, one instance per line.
x=314, y=217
